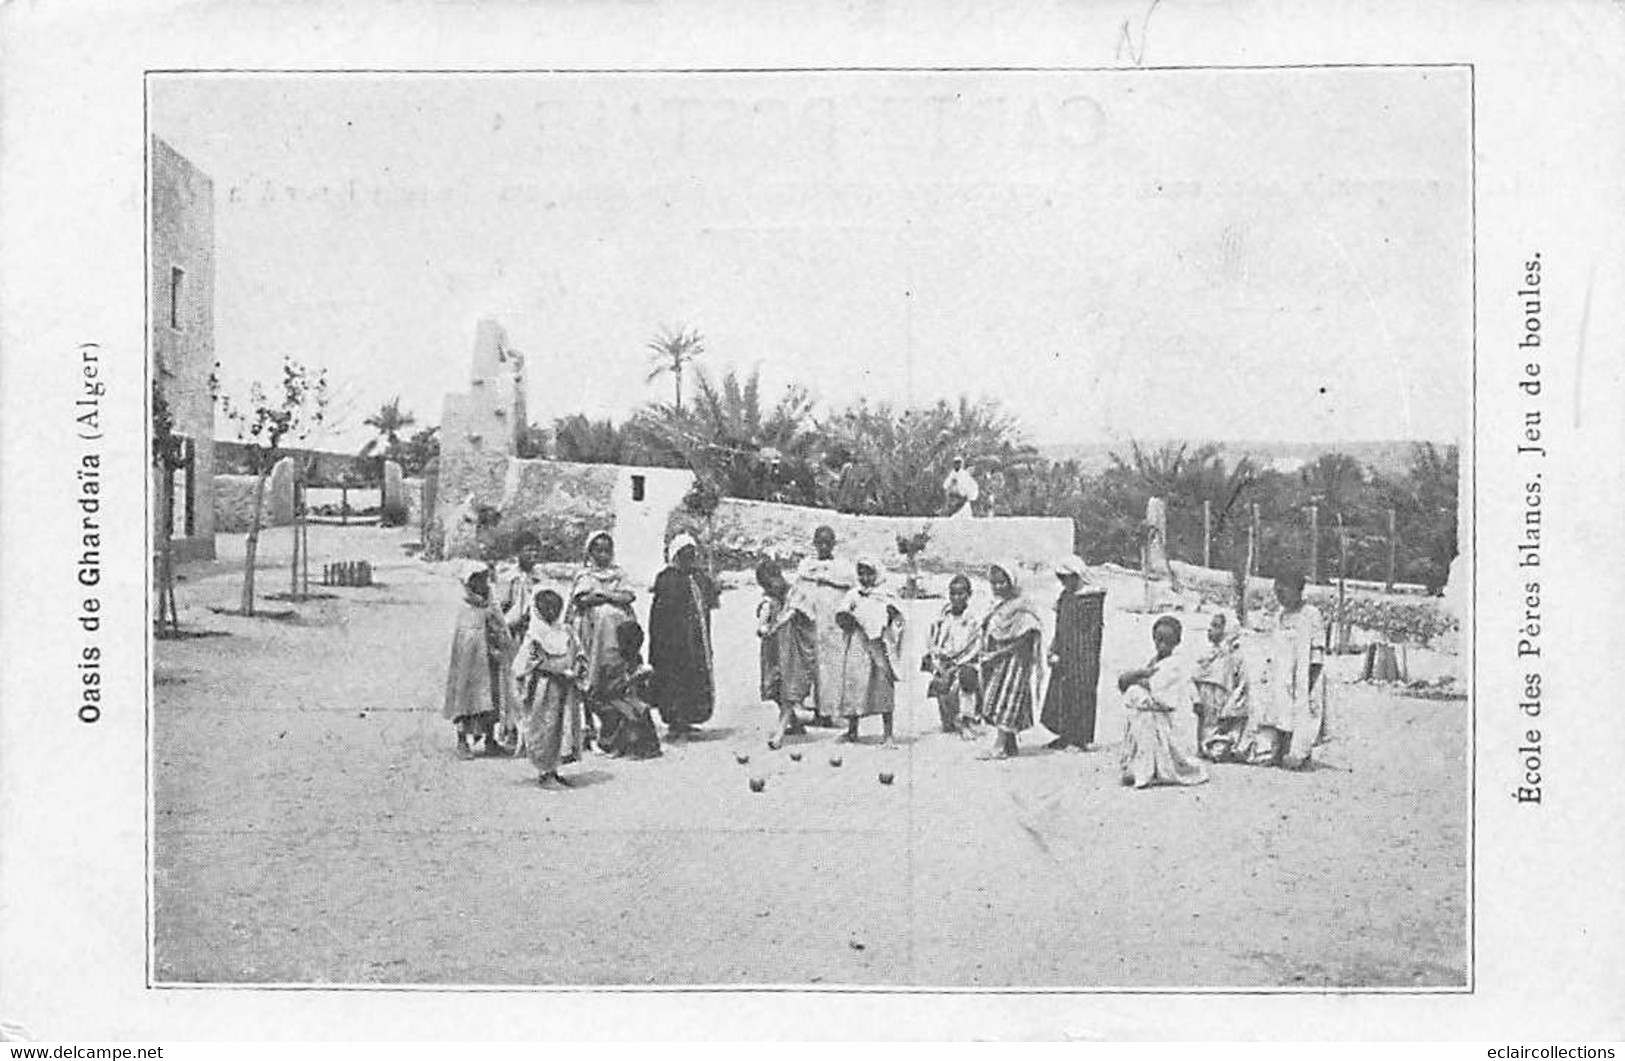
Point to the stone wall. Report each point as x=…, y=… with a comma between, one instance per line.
x=234, y=500
x=562, y=503
x=742, y=531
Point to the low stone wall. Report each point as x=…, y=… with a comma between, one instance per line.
x=562, y=503
x=743, y=531
x=234, y=501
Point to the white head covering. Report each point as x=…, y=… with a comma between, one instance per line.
x=467, y=568
x=1071, y=565
x=678, y=543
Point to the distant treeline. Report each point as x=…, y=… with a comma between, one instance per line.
x=878, y=459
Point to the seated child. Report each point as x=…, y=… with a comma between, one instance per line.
x=1221, y=688
x=784, y=622
x=622, y=700
x=950, y=659
x=1151, y=694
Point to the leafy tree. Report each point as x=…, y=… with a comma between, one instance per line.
x=1426, y=502
x=885, y=462
x=417, y=451
x=586, y=441
x=671, y=351
x=734, y=443
x=289, y=413
x=532, y=443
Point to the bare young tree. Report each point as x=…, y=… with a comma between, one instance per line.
x=167, y=456
x=266, y=422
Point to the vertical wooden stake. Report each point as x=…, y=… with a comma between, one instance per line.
x=1314, y=543
x=1207, y=533
x=1393, y=549
x=1255, y=544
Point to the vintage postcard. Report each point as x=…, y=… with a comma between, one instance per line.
x=1084, y=521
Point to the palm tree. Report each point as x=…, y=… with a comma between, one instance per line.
x=389, y=421
x=672, y=351
x=894, y=461
x=734, y=443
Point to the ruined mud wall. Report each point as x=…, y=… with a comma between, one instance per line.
x=742, y=531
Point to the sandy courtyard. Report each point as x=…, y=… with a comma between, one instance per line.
x=312, y=825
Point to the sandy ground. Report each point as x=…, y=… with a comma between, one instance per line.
x=312, y=825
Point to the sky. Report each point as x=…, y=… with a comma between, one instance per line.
x=1274, y=255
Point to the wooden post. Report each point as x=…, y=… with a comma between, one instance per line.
x=1393, y=550
x=1314, y=542
x=1207, y=533
x=1255, y=545
x=168, y=615
x=293, y=568
x=1342, y=574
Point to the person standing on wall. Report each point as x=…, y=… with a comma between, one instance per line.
x=684, y=685
x=961, y=491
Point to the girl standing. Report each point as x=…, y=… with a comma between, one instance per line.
x=477, y=686
x=1286, y=716
x=1010, y=661
x=600, y=602
x=785, y=625
x=548, y=666
x=872, y=625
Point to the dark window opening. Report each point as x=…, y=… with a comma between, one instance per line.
x=176, y=275
x=637, y=488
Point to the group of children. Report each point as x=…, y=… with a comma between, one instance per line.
x=535, y=677
x=836, y=640
x=547, y=678
x=985, y=668
x=1263, y=708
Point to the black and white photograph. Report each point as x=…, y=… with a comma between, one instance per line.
x=890, y=522
x=814, y=529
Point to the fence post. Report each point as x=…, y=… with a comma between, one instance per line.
x=1393, y=551
x=1207, y=533
x=1255, y=544
x=1314, y=543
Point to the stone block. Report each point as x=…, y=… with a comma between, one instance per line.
x=393, y=503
